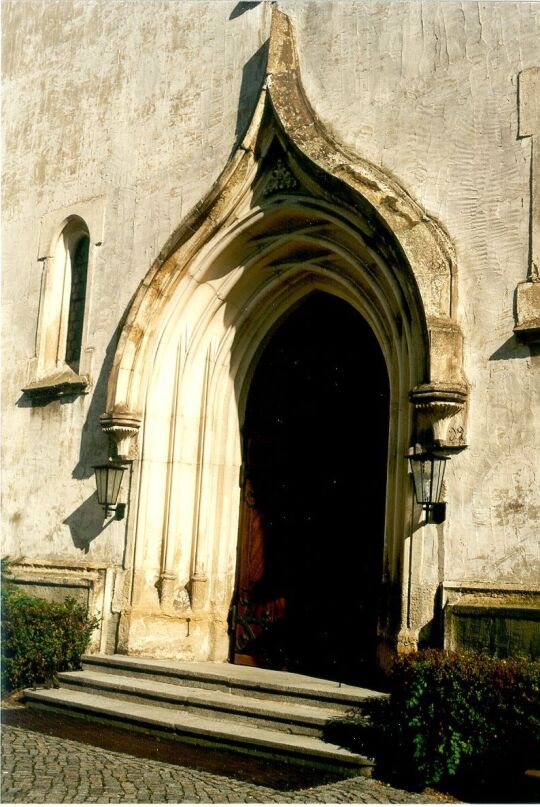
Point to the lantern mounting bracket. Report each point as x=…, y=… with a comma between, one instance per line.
x=435, y=513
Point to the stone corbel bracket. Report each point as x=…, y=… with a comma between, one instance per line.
x=437, y=406
x=441, y=403
x=527, y=300
x=122, y=426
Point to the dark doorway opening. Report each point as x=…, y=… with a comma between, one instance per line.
x=314, y=485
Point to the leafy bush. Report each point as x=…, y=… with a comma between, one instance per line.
x=462, y=718
x=40, y=639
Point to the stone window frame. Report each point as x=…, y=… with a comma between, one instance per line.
x=50, y=375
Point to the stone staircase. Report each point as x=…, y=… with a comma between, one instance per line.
x=262, y=712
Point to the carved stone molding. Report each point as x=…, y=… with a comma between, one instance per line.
x=121, y=425
x=435, y=406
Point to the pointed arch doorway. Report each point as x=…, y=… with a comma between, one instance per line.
x=311, y=540
x=292, y=212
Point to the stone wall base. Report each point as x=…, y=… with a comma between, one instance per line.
x=192, y=636
x=501, y=623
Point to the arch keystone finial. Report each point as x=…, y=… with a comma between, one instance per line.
x=282, y=57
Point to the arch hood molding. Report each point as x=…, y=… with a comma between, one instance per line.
x=287, y=150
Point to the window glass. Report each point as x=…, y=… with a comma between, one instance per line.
x=79, y=266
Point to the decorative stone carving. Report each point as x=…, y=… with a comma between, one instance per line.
x=280, y=179
x=435, y=406
x=121, y=425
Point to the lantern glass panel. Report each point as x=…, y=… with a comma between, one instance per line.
x=428, y=473
x=108, y=481
x=101, y=472
x=417, y=478
x=421, y=477
x=113, y=483
x=438, y=464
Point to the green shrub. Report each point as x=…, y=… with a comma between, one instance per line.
x=462, y=718
x=40, y=639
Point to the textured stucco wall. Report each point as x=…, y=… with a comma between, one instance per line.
x=141, y=103
x=137, y=104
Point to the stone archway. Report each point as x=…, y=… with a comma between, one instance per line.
x=291, y=213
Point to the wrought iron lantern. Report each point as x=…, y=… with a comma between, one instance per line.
x=108, y=480
x=428, y=468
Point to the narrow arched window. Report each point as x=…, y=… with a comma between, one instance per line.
x=74, y=331
x=61, y=327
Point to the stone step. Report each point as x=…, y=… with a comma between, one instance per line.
x=234, y=678
x=188, y=727
x=295, y=718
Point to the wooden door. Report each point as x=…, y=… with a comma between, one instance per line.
x=260, y=600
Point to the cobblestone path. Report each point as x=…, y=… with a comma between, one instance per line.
x=39, y=769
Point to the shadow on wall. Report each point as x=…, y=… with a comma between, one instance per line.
x=512, y=349
x=51, y=399
x=242, y=7
x=253, y=74
x=432, y=633
x=86, y=523
x=94, y=443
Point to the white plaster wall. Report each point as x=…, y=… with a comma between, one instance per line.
x=140, y=104
x=137, y=102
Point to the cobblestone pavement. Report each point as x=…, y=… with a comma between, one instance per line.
x=40, y=769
